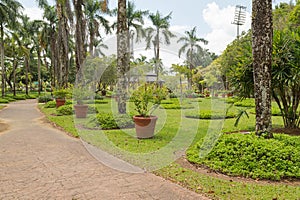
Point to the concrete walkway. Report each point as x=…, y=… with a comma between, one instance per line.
x=40, y=162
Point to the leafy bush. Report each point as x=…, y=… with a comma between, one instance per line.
x=69, y=102
x=275, y=111
x=19, y=97
x=96, y=102
x=245, y=103
x=176, y=106
x=208, y=114
x=65, y=110
x=231, y=100
x=252, y=156
x=92, y=109
x=4, y=101
x=109, y=121
x=99, y=97
x=50, y=104
x=45, y=99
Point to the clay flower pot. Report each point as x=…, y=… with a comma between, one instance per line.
x=81, y=110
x=145, y=126
x=60, y=102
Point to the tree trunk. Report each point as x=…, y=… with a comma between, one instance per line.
x=14, y=76
x=79, y=38
x=26, y=74
x=39, y=70
x=2, y=60
x=262, y=63
x=123, y=56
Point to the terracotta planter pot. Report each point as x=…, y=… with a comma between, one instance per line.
x=81, y=111
x=60, y=102
x=144, y=126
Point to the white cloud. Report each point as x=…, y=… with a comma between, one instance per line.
x=33, y=13
x=222, y=29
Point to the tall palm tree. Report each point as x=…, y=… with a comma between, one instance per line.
x=122, y=55
x=153, y=35
x=190, y=46
x=93, y=12
x=262, y=35
x=9, y=12
x=135, y=22
x=65, y=17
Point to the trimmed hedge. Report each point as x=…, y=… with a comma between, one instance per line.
x=50, y=104
x=65, y=110
x=245, y=103
x=208, y=114
x=45, y=99
x=109, y=121
x=4, y=101
x=252, y=156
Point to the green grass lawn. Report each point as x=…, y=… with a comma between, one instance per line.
x=174, y=134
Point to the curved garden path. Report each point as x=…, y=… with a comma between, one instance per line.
x=38, y=161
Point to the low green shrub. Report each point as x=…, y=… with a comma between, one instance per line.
x=65, y=110
x=50, y=104
x=245, y=103
x=19, y=97
x=99, y=97
x=4, y=101
x=95, y=101
x=231, y=100
x=208, y=114
x=251, y=156
x=176, y=106
x=69, y=102
x=275, y=111
x=109, y=121
x=92, y=109
x=45, y=99
x=166, y=102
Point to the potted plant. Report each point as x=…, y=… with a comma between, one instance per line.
x=79, y=94
x=146, y=99
x=60, y=96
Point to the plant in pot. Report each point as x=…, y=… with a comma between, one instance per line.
x=60, y=96
x=146, y=99
x=79, y=94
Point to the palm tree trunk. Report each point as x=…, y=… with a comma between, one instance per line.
x=262, y=62
x=15, y=64
x=39, y=70
x=123, y=56
x=2, y=60
x=26, y=74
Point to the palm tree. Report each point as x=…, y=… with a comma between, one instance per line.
x=93, y=11
x=190, y=46
x=123, y=55
x=9, y=11
x=135, y=22
x=161, y=26
x=262, y=34
x=65, y=17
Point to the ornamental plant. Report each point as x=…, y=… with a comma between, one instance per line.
x=147, y=98
x=61, y=93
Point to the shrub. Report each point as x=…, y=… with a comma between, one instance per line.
x=176, y=106
x=245, y=103
x=19, y=97
x=4, y=101
x=69, y=102
x=45, y=99
x=96, y=102
x=231, y=100
x=172, y=95
x=50, y=104
x=109, y=121
x=92, y=109
x=252, y=156
x=208, y=114
x=65, y=110
x=99, y=97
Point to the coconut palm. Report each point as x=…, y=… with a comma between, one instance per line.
x=65, y=17
x=153, y=35
x=93, y=12
x=191, y=46
x=123, y=55
x=135, y=22
x=9, y=12
x=262, y=33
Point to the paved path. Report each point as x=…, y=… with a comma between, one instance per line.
x=40, y=162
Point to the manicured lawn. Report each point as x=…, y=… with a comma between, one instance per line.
x=174, y=134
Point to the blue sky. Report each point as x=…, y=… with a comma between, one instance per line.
x=212, y=19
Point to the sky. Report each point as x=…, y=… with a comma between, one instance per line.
x=213, y=19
